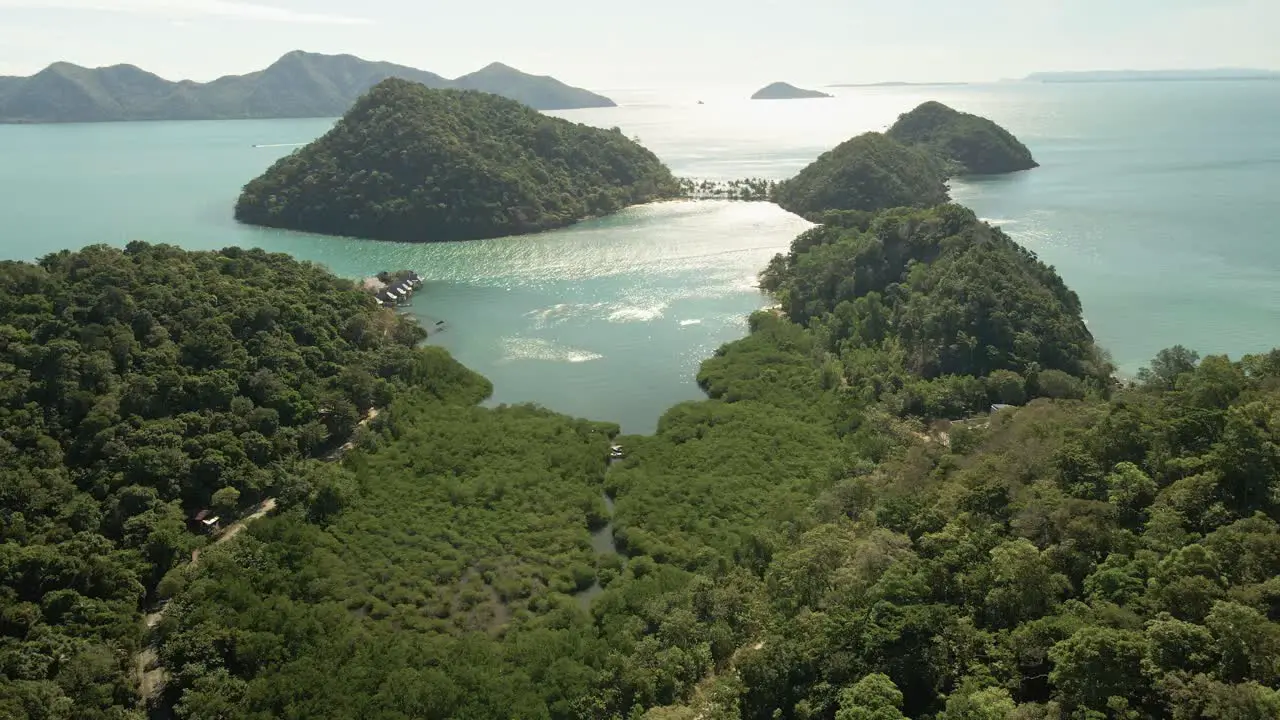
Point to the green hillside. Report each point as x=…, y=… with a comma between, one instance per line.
x=417, y=165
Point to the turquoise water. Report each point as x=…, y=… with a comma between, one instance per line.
x=1155, y=201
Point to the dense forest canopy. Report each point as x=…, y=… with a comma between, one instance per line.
x=914, y=490
x=802, y=544
x=412, y=164
x=943, y=296
x=142, y=385
x=868, y=172
x=969, y=143
x=299, y=84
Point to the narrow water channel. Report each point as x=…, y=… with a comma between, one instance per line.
x=602, y=543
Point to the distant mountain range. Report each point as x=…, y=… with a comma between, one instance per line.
x=1149, y=75
x=297, y=85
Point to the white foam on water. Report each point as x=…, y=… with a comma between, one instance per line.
x=636, y=313
x=518, y=348
x=684, y=323
x=559, y=313
x=999, y=221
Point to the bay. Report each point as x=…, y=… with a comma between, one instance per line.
x=1154, y=201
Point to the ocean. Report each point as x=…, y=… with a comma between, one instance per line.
x=1153, y=200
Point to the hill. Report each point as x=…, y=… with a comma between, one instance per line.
x=785, y=91
x=540, y=92
x=413, y=164
x=141, y=386
x=869, y=172
x=297, y=85
x=969, y=143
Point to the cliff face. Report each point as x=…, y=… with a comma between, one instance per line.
x=971, y=144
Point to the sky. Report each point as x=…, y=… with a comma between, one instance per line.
x=654, y=43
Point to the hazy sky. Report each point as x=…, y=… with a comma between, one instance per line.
x=653, y=43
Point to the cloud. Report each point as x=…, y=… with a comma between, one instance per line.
x=178, y=9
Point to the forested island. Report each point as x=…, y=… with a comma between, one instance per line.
x=968, y=143
x=914, y=490
x=413, y=164
x=868, y=172
x=786, y=91
x=298, y=85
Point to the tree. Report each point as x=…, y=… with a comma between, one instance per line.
x=226, y=500
x=1167, y=366
x=874, y=697
x=1007, y=387
x=1098, y=663
x=979, y=703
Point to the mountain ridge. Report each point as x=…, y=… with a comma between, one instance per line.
x=299, y=84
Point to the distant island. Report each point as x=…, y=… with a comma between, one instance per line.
x=1086, y=76
x=968, y=143
x=786, y=91
x=298, y=85
x=897, y=83
x=415, y=164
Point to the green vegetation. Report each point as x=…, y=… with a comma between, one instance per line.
x=750, y=189
x=841, y=530
x=786, y=91
x=869, y=172
x=969, y=143
x=139, y=387
x=945, y=298
x=412, y=164
x=811, y=541
x=297, y=85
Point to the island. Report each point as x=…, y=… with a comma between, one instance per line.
x=413, y=164
x=969, y=144
x=866, y=173
x=786, y=91
x=298, y=85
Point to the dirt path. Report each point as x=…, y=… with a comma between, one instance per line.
x=150, y=675
x=350, y=444
x=235, y=528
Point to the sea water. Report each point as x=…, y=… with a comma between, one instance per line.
x=1154, y=201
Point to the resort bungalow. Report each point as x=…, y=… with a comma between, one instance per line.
x=615, y=452
x=999, y=406
x=206, y=522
